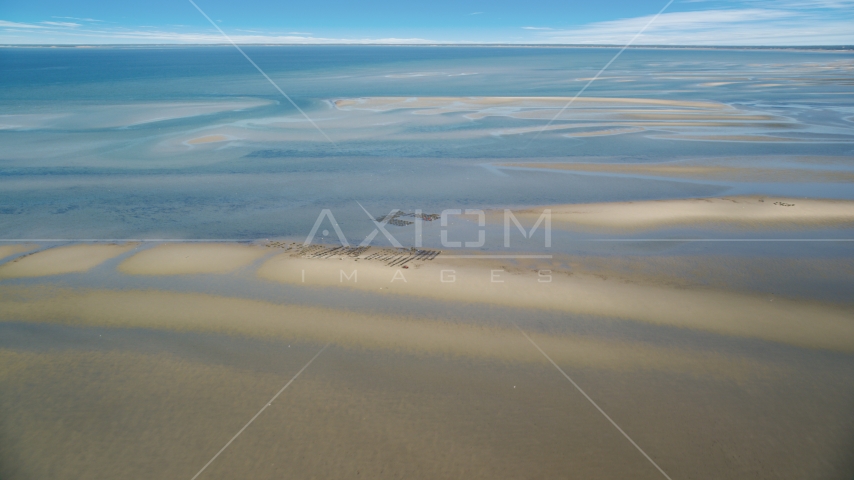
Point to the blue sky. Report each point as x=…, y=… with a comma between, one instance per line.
x=685, y=22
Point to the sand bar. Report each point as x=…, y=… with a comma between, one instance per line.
x=459, y=103
x=185, y=258
x=706, y=170
x=9, y=250
x=800, y=323
x=755, y=212
x=605, y=132
x=62, y=260
x=207, y=139
x=737, y=138
x=209, y=313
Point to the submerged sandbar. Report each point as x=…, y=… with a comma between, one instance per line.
x=62, y=260
x=9, y=250
x=754, y=212
x=544, y=287
x=191, y=258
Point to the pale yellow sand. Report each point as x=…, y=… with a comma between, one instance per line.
x=734, y=138
x=686, y=117
x=483, y=281
x=771, y=277
x=390, y=103
x=207, y=139
x=741, y=211
x=209, y=313
x=185, y=258
x=610, y=115
x=113, y=413
x=634, y=126
x=488, y=282
x=523, y=130
x=733, y=123
x=7, y=250
x=707, y=169
x=61, y=260
x=694, y=116
x=600, y=133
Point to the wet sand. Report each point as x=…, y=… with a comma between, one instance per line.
x=9, y=250
x=62, y=260
x=744, y=212
x=187, y=258
x=110, y=411
x=390, y=103
x=736, y=138
x=140, y=382
x=546, y=287
x=534, y=285
x=537, y=285
x=727, y=169
x=191, y=312
x=823, y=279
x=605, y=132
x=207, y=139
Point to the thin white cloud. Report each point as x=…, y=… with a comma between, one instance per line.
x=476, y=13
x=61, y=24
x=5, y=24
x=753, y=26
x=78, y=19
x=780, y=4
x=804, y=4
x=57, y=35
x=769, y=22
x=69, y=33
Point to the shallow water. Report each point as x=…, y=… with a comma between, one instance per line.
x=77, y=162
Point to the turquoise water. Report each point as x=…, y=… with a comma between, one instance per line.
x=98, y=142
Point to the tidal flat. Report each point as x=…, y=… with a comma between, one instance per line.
x=427, y=362
x=186, y=253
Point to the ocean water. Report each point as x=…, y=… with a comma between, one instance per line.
x=193, y=143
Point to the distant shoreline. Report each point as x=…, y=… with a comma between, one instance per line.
x=827, y=48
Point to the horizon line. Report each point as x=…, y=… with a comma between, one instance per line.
x=433, y=44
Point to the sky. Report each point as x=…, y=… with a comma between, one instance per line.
x=612, y=22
